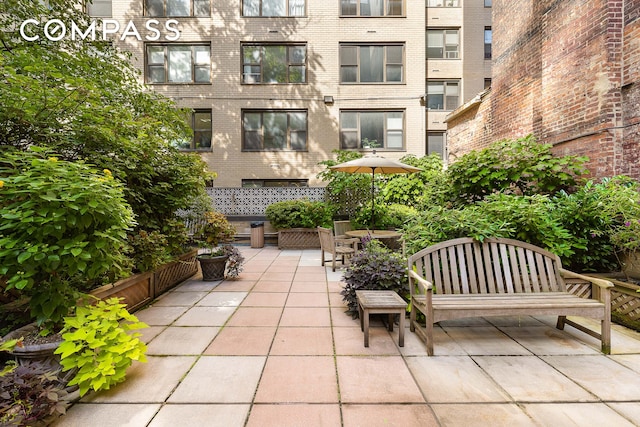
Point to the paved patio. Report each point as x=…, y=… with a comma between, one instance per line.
x=275, y=348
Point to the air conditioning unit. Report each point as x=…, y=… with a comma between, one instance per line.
x=452, y=55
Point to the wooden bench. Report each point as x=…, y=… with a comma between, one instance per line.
x=464, y=278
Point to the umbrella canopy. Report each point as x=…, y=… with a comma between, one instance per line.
x=373, y=164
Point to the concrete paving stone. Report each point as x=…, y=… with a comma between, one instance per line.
x=305, y=316
x=284, y=276
x=529, y=379
x=547, y=340
x=482, y=415
x=514, y=321
x=312, y=276
x=205, y=316
x=150, y=333
x=256, y=316
x=298, y=379
x=182, y=340
x=454, y=379
x=160, y=316
x=631, y=361
x=388, y=415
x=235, y=286
x=443, y=345
x=308, y=299
x=265, y=299
x=220, y=379
x=172, y=415
x=150, y=382
x=376, y=379
x=303, y=342
x=179, y=298
x=334, y=276
x=288, y=267
x=255, y=266
x=469, y=321
x=602, y=376
x=283, y=415
x=340, y=318
x=629, y=410
x=308, y=286
x=223, y=299
x=272, y=286
x=479, y=340
x=242, y=341
x=249, y=277
x=335, y=286
x=96, y=415
x=312, y=270
x=575, y=415
x=350, y=342
x=196, y=286
x=336, y=300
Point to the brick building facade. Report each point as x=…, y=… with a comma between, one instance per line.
x=566, y=71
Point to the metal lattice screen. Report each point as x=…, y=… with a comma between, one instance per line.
x=254, y=201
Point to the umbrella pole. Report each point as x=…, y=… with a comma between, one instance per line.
x=373, y=198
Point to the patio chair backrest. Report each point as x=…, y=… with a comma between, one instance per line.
x=341, y=227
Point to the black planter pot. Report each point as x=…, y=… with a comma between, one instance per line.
x=212, y=267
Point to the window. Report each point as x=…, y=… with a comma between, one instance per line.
x=177, y=8
x=487, y=3
x=371, y=64
x=443, y=43
x=259, y=183
x=200, y=122
x=443, y=3
x=371, y=129
x=273, y=7
x=371, y=7
x=274, y=63
x=435, y=143
x=442, y=95
x=99, y=8
x=487, y=83
x=177, y=63
x=274, y=130
x=487, y=42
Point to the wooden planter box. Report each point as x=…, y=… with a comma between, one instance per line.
x=139, y=289
x=298, y=238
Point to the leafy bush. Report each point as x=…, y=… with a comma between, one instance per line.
x=374, y=268
x=386, y=216
x=70, y=231
x=416, y=189
x=96, y=342
x=216, y=229
x=298, y=214
x=348, y=192
x=522, y=166
x=148, y=250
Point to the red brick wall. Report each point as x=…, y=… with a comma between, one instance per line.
x=566, y=71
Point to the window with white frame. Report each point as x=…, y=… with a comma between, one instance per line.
x=443, y=94
x=371, y=7
x=163, y=8
x=178, y=63
x=99, y=8
x=488, y=3
x=443, y=43
x=274, y=130
x=271, y=63
x=443, y=3
x=371, y=63
x=200, y=123
x=436, y=143
x=371, y=129
x=488, y=37
x=273, y=7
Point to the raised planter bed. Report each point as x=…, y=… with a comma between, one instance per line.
x=298, y=238
x=169, y=275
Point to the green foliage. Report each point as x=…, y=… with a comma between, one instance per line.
x=362, y=218
x=148, y=250
x=374, y=268
x=70, y=230
x=97, y=343
x=215, y=230
x=348, y=192
x=298, y=214
x=416, y=189
x=29, y=394
x=521, y=166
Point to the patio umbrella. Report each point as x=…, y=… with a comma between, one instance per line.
x=373, y=164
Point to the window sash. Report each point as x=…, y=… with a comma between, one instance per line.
x=443, y=44
x=374, y=8
x=436, y=143
x=165, y=8
x=442, y=95
x=372, y=63
x=267, y=8
x=176, y=64
x=274, y=130
x=443, y=3
x=99, y=8
x=372, y=129
x=274, y=64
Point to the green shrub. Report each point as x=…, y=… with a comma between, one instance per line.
x=374, y=268
x=347, y=192
x=298, y=214
x=521, y=166
x=97, y=343
x=416, y=189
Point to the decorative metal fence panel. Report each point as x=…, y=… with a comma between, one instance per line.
x=254, y=201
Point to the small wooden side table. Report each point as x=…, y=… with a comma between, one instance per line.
x=381, y=302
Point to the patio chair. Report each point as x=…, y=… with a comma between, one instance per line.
x=340, y=228
x=337, y=247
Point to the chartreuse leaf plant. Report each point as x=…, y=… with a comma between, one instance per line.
x=97, y=342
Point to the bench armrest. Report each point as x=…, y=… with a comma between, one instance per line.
x=594, y=280
x=423, y=285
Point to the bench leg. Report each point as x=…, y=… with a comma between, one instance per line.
x=401, y=332
x=560, y=324
x=391, y=321
x=605, y=332
x=412, y=319
x=366, y=327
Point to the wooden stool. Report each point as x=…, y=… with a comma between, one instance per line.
x=381, y=302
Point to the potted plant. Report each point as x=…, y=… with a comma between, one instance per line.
x=216, y=229
x=297, y=222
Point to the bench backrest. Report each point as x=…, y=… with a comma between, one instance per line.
x=495, y=266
